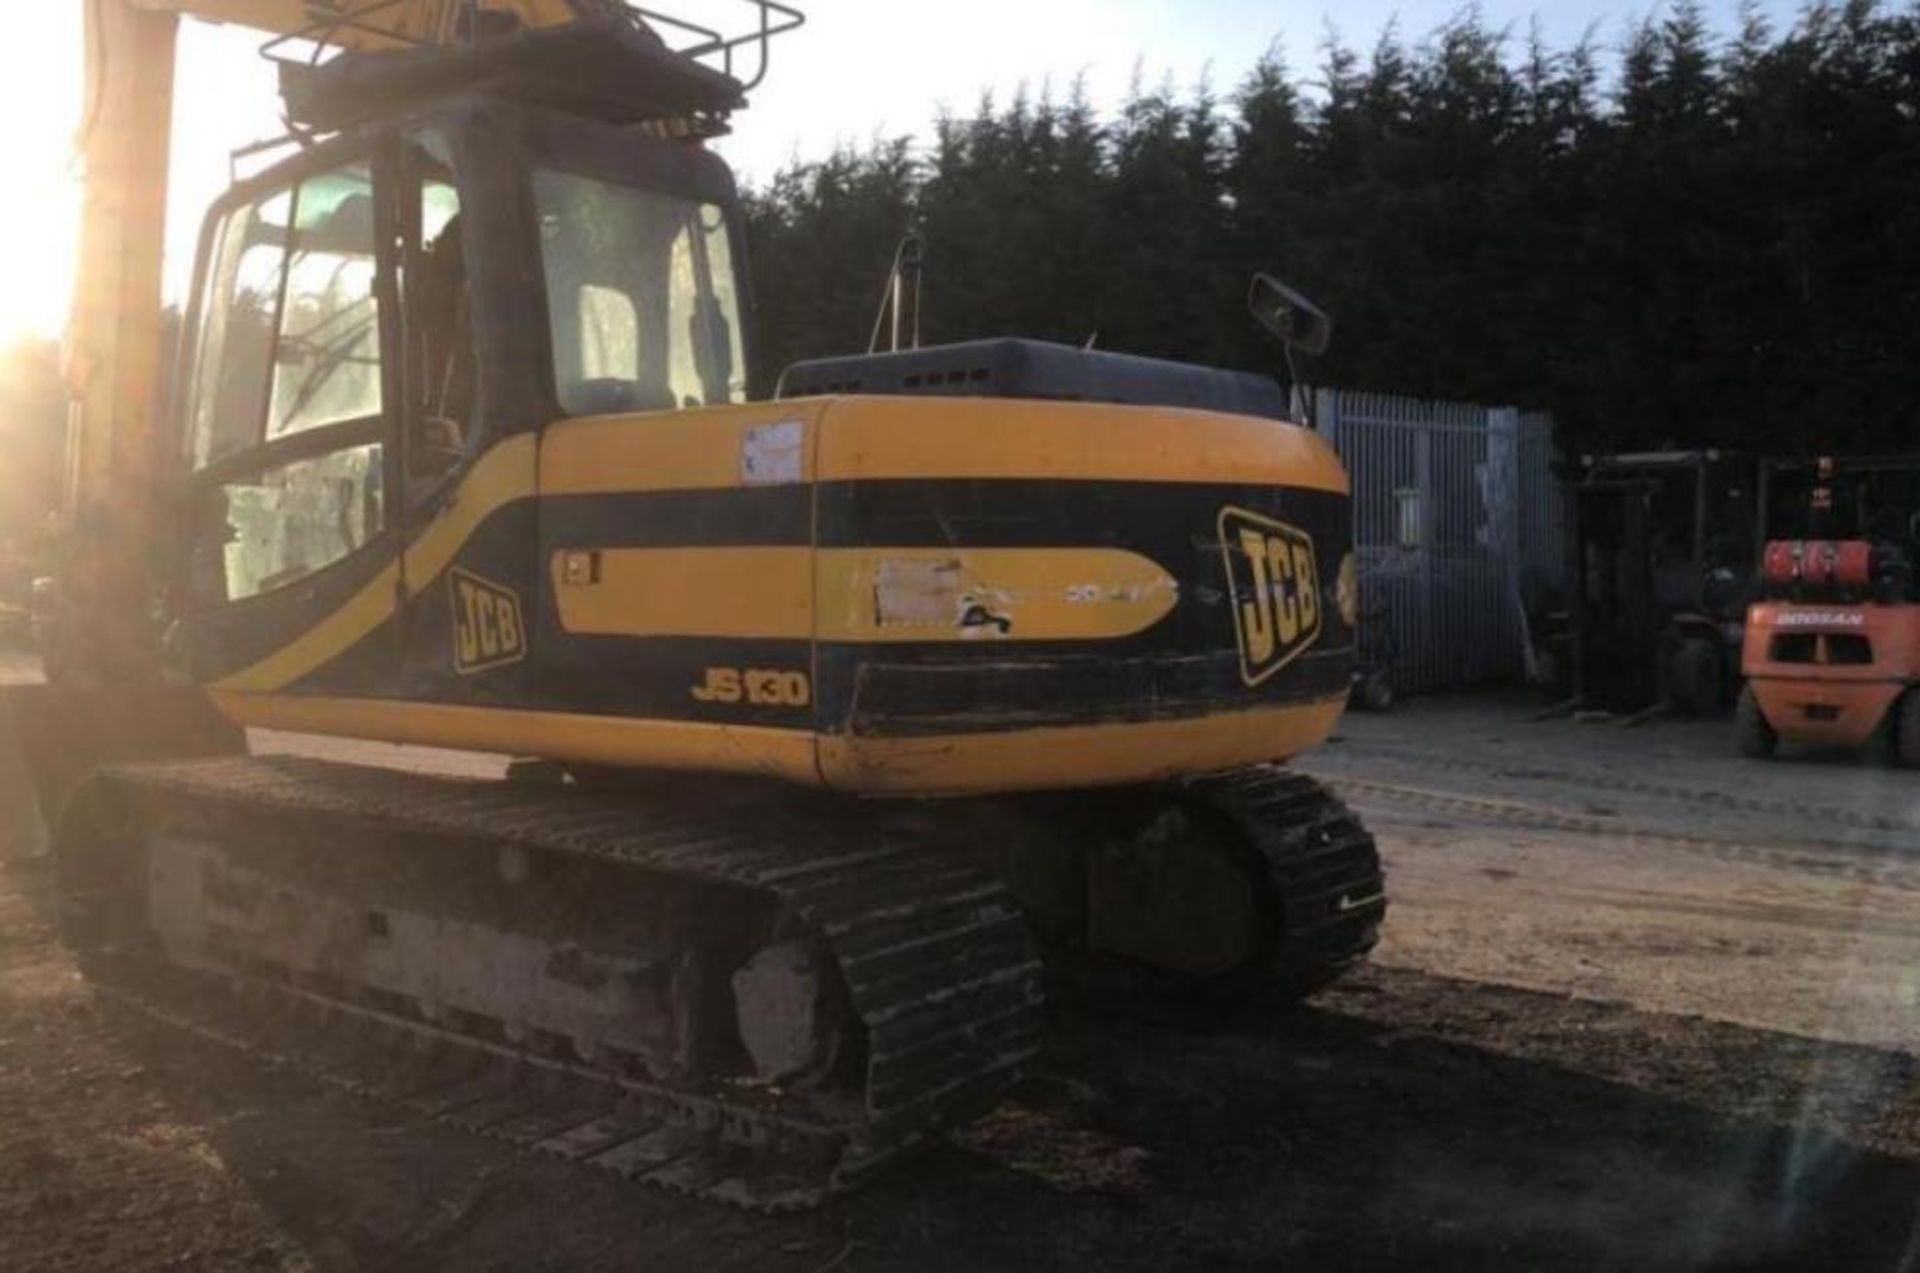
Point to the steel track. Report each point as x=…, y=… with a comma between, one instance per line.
x=608, y=1122
x=1321, y=863
x=935, y=958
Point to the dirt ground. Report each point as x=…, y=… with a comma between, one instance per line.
x=1640, y=1005
x=1651, y=866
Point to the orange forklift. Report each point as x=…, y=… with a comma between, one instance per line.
x=1832, y=648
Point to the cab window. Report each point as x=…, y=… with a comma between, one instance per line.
x=641, y=296
x=289, y=334
x=286, y=368
x=291, y=521
x=326, y=364
x=235, y=340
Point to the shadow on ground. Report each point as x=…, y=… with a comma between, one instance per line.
x=1326, y=1138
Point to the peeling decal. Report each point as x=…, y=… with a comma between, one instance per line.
x=916, y=593
x=977, y=621
x=935, y=593
x=995, y=594
x=773, y=454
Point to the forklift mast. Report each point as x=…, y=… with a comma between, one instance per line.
x=1661, y=567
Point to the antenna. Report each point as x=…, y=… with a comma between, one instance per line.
x=903, y=288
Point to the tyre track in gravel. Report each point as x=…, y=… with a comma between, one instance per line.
x=1600, y=780
x=1879, y=865
x=97, y=1170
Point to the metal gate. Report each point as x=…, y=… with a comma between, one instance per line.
x=1457, y=529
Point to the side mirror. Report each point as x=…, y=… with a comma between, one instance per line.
x=1294, y=320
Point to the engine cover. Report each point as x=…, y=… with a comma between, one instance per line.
x=1010, y=368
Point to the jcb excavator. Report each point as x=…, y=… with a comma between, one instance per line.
x=834, y=712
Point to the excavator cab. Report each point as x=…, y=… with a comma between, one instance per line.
x=494, y=217
x=457, y=267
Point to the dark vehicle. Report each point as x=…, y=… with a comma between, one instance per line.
x=1662, y=553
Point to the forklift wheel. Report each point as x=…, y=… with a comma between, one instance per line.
x=1694, y=676
x=1756, y=736
x=1376, y=692
x=1906, y=724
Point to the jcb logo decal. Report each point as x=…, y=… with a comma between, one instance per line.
x=1274, y=582
x=487, y=631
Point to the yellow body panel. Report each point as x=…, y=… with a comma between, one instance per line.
x=1063, y=756
x=862, y=595
x=699, y=592
x=701, y=448
x=874, y=438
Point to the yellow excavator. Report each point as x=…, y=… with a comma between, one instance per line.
x=842, y=720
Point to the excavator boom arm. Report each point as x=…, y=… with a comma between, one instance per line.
x=114, y=333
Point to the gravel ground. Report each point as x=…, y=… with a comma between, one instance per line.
x=1640, y=1005
x=1650, y=866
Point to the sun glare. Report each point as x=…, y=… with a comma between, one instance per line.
x=40, y=88
x=224, y=98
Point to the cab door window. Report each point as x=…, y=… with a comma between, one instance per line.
x=284, y=412
x=235, y=341
x=326, y=365
x=288, y=522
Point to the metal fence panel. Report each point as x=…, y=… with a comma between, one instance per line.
x=1456, y=529
x=1543, y=555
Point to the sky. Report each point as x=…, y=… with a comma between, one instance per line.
x=859, y=69
x=883, y=68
